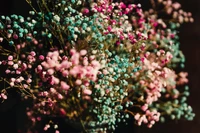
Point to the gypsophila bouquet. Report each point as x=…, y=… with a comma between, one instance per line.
x=97, y=62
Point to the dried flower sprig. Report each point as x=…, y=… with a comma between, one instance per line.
x=97, y=62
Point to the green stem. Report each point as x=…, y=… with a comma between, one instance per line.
x=29, y=2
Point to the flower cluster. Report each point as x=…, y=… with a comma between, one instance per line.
x=97, y=62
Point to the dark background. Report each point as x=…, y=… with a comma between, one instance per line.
x=11, y=112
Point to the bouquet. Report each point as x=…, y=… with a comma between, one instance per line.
x=97, y=62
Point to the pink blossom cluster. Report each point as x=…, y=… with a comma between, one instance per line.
x=62, y=76
x=119, y=24
x=150, y=118
x=174, y=9
x=17, y=68
x=79, y=66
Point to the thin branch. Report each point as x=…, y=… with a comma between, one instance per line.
x=29, y=2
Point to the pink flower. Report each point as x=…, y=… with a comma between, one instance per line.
x=29, y=66
x=65, y=73
x=83, y=52
x=60, y=96
x=137, y=116
x=12, y=84
x=92, y=57
x=13, y=79
x=25, y=86
x=15, y=36
x=87, y=98
x=1, y=39
x=57, y=131
x=56, y=80
x=75, y=70
x=7, y=71
x=46, y=127
x=4, y=96
x=41, y=57
x=39, y=67
x=66, y=64
x=33, y=53
x=144, y=107
x=10, y=63
x=78, y=82
x=87, y=92
x=105, y=72
x=18, y=80
x=109, y=28
x=95, y=64
x=51, y=63
x=176, y=5
x=75, y=59
x=35, y=41
x=15, y=66
x=62, y=112
x=44, y=64
x=72, y=51
x=39, y=118
x=50, y=71
x=24, y=66
x=86, y=83
x=29, y=80
x=122, y=5
x=85, y=11
x=64, y=85
x=85, y=62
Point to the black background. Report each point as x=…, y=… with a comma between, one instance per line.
x=11, y=112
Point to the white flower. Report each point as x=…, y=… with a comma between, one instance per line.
x=56, y=18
